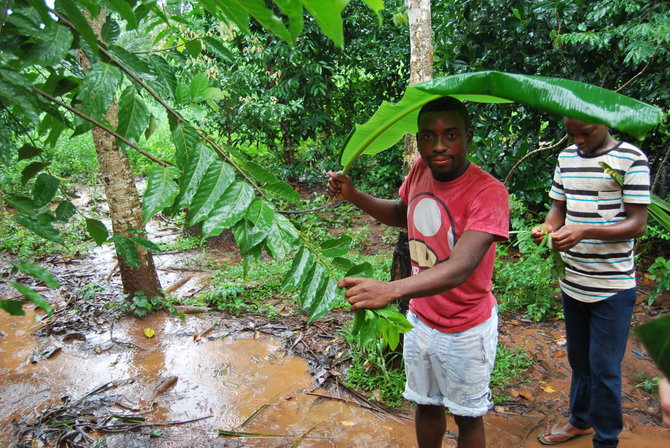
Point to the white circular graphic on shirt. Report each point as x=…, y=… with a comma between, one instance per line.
x=427, y=217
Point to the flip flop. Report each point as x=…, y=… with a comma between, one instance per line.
x=558, y=432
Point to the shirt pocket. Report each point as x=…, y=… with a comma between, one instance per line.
x=609, y=203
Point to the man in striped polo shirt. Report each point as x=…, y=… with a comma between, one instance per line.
x=593, y=222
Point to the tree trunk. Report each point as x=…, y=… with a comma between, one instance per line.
x=421, y=69
x=420, y=59
x=125, y=208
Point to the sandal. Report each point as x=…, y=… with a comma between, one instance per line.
x=555, y=431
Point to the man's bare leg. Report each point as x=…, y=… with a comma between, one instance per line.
x=431, y=423
x=470, y=432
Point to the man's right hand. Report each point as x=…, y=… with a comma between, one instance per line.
x=340, y=186
x=538, y=233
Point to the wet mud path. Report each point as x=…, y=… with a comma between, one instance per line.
x=92, y=378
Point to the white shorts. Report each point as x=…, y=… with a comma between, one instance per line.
x=451, y=369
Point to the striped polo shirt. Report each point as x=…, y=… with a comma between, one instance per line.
x=596, y=269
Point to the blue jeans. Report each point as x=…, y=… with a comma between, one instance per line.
x=596, y=335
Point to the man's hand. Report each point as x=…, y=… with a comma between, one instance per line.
x=367, y=292
x=340, y=186
x=567, y=237
x=664, y=395
x=538, y=233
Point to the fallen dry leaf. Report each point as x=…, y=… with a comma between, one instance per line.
x=546, y=387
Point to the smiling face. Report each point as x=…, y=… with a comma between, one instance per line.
x=443, y=140
x=590, y=139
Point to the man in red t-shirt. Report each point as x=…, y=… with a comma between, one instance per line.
x=454, y=213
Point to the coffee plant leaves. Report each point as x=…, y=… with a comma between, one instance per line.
x=229, y=209
x=32, y=295
x=126, y=250
x=40, y=273
x=300, y=269
x=133, y=115
x=325, y=299
x=97, y=230
x=161, y=190
x=218, y=178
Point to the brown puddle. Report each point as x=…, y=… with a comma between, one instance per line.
x=230, y=383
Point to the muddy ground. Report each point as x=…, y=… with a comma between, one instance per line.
x=90, y=377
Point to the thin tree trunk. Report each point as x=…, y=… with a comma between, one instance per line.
x=421, y=69
x=122, y=197
x=420, y=59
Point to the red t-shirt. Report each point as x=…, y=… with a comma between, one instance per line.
x=437, y=215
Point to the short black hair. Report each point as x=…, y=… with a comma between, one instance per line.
x=447, y=104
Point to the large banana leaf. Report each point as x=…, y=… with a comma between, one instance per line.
x=558, y=96
x=655, y=336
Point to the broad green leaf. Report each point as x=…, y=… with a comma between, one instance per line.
x=39, y=227
x=655, y=336
x=218, y=178
x=260, y=214
x=13, y=307
x=166, y=82
x=31, y=295
x=300, y=269
x=99, y=88
x=256, y=226
x=186, y=140
x=135, y=63
x=195, y=170
x=270, y=182
x=265, y=16
x=70, y=9
x=198, y=87
x=361, y=270
x=52, y=46
x=45, y=188
x=293, y=10
x=23, y=204
x=329, y=17
x=39, y=273
x=133, y=115
x=182, y=93
x=214, y=46
x=145, y=244
x=65, y=211
x=125, y=11
x=126, y=249
x=16, y=90
x=161, y=190
x=28, y=151
x=110, y=31
x=324, y=300
x=232, y=10
x=229, y=209
x=97, y=230
x=194, y=48
x=31, y=171
x=313, y=283
x=282, y=237
x=336, y=247
x=342, y=263
x=153, y=125
x=561, y=97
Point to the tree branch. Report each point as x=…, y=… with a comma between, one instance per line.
x=102, y=126
x=166, y=49
x=533, y=152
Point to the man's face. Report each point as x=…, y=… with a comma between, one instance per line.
x=590, y=139
x=443, y=143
